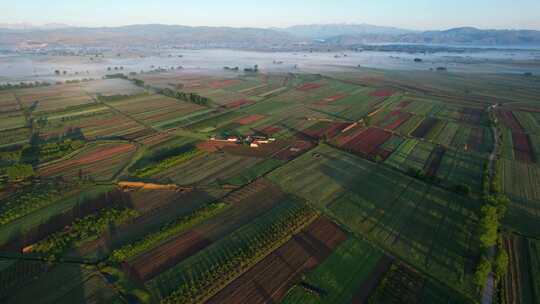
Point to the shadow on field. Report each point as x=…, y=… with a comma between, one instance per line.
x=428, y=226
x=64, y=284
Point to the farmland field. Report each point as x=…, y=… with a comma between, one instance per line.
x=100, y=162
x=426, y=226
x=184, y=184
x=521, y=283
x=270, y=278
x=340, y=276
x=521, y=183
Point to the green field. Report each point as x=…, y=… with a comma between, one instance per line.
x=425, y=225
x=521, y=183
x=339, y=276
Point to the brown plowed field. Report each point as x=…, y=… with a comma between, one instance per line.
x=269, y=280
x=509, y=120
x=249, y=203
x=214, y=145
x=147, y=266
x=309, y=86
x=522, y=147
x=250, y=119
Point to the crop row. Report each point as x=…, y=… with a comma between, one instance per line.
x=168, y=163
x=18, y=206
x=202, y=274
x=84, y=229
x=534, y=254
x=168, y=230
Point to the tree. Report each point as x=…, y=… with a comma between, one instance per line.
x=138, y=82
x=482, y=272
x=500, y=202
x=501, y=263
x=489, y=226
x=19, y=172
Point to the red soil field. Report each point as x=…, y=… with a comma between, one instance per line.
x=509, y=120
x=270, y=130
x=423, y=129
x=100, y=154
x=309, y=86
x=394, y=119
x=382, y=93
x=325, y=129
x=382, y=153
x=352, y=133
x=150, y=264
x=367, y=142
x=238, y=103
x=271, y=278
x=214, y=145
x=402, y=105
x=434, y=162
x=522, y=147
x=297, y=148
x=250, y=119
x=218, y=84
x=104, y=153
x=332, y=99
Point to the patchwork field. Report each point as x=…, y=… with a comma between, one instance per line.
x=100, y=162
x=343, y=277
x=428, y=227
x=155, y=110
x=352, y=186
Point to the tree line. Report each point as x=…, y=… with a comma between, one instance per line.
x=492, y=212
x=189, y=97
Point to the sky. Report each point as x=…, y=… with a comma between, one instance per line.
x=410, y=14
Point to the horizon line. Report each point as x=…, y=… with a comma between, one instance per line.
x=62, y=25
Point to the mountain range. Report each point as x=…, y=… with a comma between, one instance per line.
x=337, y=35
x=325, y=31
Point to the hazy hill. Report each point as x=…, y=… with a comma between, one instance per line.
x=471, y=35
x=456, y=36
x=343, y=35
x=324, y=31
x=152, y=34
